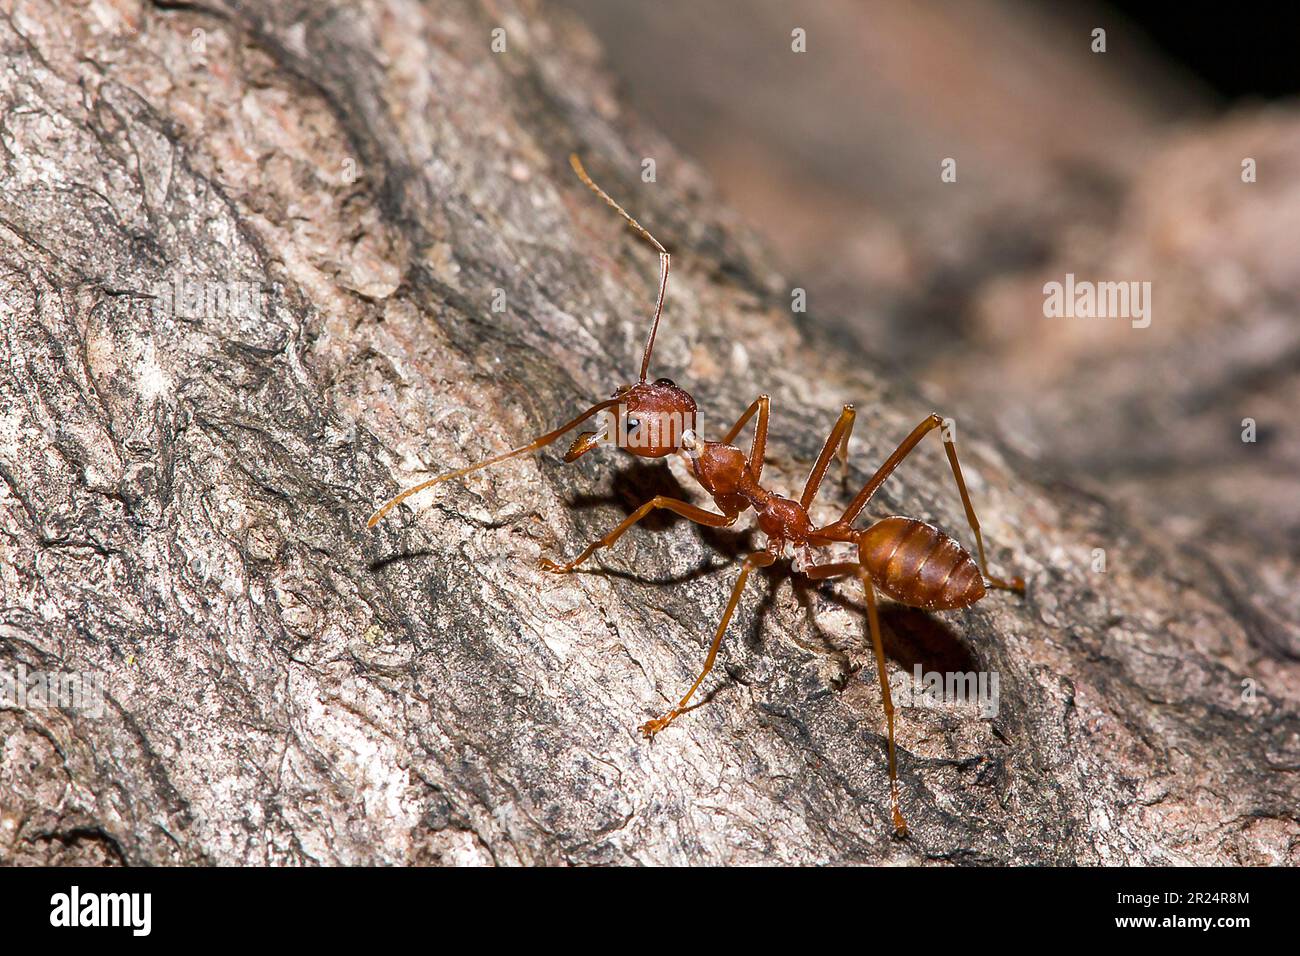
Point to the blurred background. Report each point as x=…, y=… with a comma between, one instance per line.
x=1122, y=165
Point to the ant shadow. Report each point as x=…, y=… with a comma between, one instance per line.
x=396, y=557
x=909, y=636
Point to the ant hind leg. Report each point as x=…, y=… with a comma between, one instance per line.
x=904, y=449
x=887, y=701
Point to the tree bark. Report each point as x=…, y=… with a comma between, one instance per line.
x=185, y=490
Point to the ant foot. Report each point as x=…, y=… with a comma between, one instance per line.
x=546, y=564
x=652, y=727
x=900, y=826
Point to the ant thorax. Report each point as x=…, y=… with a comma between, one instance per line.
x=719, y=468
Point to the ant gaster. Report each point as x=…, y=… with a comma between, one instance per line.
x=905, y=559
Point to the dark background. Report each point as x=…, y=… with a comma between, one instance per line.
x=1241, y=50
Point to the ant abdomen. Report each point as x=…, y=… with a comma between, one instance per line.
x=917, y=564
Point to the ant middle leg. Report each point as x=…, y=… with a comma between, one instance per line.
x=759, y=559
x=909, y=443
x=683, y=508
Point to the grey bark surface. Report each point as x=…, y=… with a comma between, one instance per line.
x=183, y=498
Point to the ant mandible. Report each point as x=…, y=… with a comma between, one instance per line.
x=906, y=559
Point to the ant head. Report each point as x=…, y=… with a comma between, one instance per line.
x=648, y=419
x=656, y=417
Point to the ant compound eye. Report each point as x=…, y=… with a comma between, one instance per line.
x=666, y=381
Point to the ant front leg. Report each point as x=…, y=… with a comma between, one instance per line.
x=759, y=559
x=758, y=448
x=950, y=449
x=683, y=508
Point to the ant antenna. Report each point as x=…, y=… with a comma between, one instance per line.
x=535, y=444
x=664, y=258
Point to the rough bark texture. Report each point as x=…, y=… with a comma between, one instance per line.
x=183, y=500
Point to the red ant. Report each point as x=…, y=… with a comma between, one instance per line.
x=908, y=560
